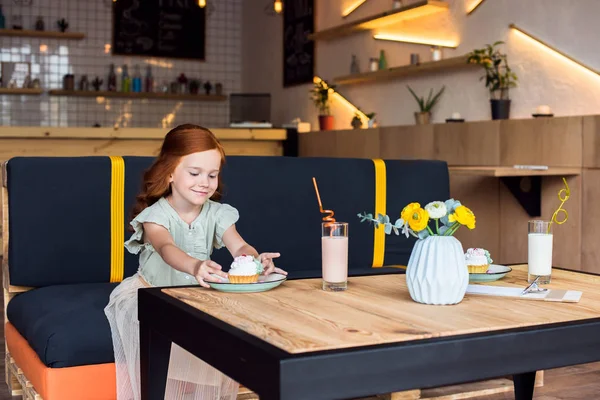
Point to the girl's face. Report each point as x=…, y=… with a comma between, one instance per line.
x=196, y=177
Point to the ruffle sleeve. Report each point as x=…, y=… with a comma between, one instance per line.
x=225, y=217
x=150, y=214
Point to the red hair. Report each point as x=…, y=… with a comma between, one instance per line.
x=180, y=141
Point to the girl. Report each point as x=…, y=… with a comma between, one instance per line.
x=175, y=226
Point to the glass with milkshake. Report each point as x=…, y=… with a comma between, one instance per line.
x=334, y=249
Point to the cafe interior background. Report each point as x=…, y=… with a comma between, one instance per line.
x=284, y=49
x=244, y=46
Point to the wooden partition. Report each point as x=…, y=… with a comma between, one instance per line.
x=57, y=141
x=70, y=142
x=481, y=156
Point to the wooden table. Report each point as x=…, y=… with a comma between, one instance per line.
x=299, y=342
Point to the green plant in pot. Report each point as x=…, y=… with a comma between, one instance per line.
x=321, y=96
x=356, y=121
x=372, y=123
x=499, y=77
x=424, y=114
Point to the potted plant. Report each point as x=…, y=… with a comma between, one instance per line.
x=320, y=95
x=356, y=121
x=437, y=271
x=425, y=106
x=372, y=122
x=499, y=77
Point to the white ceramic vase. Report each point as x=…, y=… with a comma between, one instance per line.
x=437, y=272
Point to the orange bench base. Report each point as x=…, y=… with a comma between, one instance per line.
x=86, y=382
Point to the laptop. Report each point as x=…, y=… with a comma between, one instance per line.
x=250, y=110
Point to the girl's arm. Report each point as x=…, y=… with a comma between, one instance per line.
x=238, y=246
x=162, y=241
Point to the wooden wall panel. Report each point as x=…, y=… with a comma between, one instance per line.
x=543, y=141
x=357, y=143
x=591, y=141
x=590, y=221
x=317, y=144
x=476, y=143
x=512, y=227
x=407, y=142
x=567, y=237
x=481, y=195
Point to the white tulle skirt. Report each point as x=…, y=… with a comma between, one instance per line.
x=188, y=377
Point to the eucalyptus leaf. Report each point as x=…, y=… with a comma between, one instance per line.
x=388, y=228
x=423, y=234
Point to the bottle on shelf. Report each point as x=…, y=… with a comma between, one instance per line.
x=436, y=53
x=382, y=60
x=2, y=19
x=373, y=64
x=149, y=80
x=354, y=67
x=39, y=24
x=137, y=80
x=112, y=79
x=125, y=80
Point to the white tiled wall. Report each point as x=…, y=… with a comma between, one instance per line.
x=52, y=58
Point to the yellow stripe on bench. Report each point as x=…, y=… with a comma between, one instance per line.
x=117, y=218
x=380, y=205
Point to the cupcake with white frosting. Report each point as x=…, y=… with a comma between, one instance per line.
x=245, y=269
x=478, y=260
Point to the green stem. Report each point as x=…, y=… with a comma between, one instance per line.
x=456, y=228
x=437, y=226
x=449, y=230
x=430, y=231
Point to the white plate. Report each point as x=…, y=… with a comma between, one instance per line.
x=493, y=273
x=264, y=283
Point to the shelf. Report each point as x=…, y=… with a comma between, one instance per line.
x=141, y=95
x=524, y=184
x=20, y=91
x=42, y=34
x=406, y=70
x=418, y=9
x=501, y=172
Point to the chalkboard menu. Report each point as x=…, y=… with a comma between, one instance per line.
x=298, y=50
x=160, y=28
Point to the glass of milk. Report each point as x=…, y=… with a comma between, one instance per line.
x=334, y=247
x=539, y=254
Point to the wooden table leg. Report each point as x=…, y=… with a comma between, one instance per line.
x=155, y=350
x=524, y=384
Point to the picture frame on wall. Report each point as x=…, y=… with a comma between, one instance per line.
x=298, y=49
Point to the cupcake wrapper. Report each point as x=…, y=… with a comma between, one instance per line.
x=477, y=269
x=243, y=278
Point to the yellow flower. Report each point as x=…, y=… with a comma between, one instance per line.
x=416, y=217
x=408, y=211
x=418, y=220
x=463, y=216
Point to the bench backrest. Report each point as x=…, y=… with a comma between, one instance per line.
x=61, y=210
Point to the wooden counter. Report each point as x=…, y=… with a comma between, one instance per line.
x=481, y=156
x=57, y=141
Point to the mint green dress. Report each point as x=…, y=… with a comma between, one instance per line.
x=197, y=239
x=188, y=377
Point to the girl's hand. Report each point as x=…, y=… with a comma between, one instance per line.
x=266, y=260
x=204, y=269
